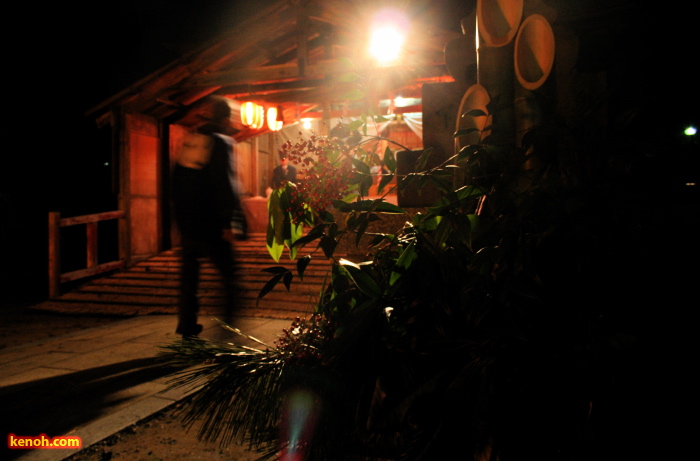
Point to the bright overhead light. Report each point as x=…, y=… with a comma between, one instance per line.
x=388, y=35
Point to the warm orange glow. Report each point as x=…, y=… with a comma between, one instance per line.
x=388, y=35
x=252, y=115
x=274, y=121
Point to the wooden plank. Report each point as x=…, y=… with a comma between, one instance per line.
x=92, y=218
x=90, y=271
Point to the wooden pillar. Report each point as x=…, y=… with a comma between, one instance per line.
x=54, y=254
x=302, y=42
x=91, y=235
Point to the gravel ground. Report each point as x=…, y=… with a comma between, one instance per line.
x=161, y=438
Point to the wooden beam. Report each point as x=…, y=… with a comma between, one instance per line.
x=319, y=114
x=302, y=43
x=266, y=74
x=290, y=72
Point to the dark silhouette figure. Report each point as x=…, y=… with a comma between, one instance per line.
x=283, y=172
x=207, y=210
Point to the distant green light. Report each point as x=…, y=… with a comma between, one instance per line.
x=690, y=131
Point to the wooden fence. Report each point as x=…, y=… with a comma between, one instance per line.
x=56, y=278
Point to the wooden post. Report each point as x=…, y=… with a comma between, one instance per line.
x=91, y=235
x=54, y=254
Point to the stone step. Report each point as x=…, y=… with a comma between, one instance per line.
x=151, y=286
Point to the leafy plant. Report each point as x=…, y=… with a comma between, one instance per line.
x=472, y=328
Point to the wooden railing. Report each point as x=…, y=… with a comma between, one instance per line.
x=56, y=278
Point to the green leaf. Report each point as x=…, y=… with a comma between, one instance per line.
x=423, y=159
x=390, y=160
x=355, y=124
x=315, y=233
x=275, y=251
x=427, y=222
x=354, y=95
x=443, y=231
x=366, y=184
x=379, y=238
x=361, y=166
x=295, y=233
x=466, y=192
x=327, y=217
x=276, y=270
x=384, y=182
x=346, y=62
x=349, y=77
x=362, y=280
x=287, y=279
x=272, y=283
x=464, y=132
x=475, y=113
x=403, y=263
x=333, y=230
x=473, y=221
x=443, y=180
x=466, y=152
x=456, y=199
x=361, y=229
x=376, y=205
x=342, y=206
x=328, y=245
x=349, y=198
x=341, y=280
x=275, y=226
x=301, y=265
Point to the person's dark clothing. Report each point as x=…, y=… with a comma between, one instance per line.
x=280, y=175
x=220, y=253
x=206, y=205
x=205, y=199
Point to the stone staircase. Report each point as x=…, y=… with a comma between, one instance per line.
x=151, y=287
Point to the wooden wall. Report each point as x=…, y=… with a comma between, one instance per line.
x=140, y=195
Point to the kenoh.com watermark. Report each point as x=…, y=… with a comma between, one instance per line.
x=24, y=442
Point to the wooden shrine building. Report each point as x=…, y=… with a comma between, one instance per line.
x=289, y=56
x=292, y=56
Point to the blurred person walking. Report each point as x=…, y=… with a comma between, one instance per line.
x=207, y=211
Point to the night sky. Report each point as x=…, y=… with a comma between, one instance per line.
x=63, y=61
x=105, y=51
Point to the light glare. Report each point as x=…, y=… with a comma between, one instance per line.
x=388, y=36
